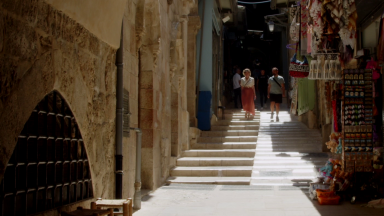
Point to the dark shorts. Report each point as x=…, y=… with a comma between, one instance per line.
x=277, y=98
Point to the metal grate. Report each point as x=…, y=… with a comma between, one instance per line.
x=49, y=166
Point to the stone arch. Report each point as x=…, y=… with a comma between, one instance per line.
x=49, y=166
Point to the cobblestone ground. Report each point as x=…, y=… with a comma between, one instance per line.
x=241, y=200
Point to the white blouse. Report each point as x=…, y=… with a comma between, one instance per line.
x=247, y=83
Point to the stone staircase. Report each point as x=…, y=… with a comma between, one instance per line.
x=287, y=153
x=224, y=155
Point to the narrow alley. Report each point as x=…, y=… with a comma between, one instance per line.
x=166, y=107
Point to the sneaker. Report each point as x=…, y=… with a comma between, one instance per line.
x=277, y=118
x=271, y=115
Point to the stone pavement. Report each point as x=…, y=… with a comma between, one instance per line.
x=240, y=200
x=287, y=157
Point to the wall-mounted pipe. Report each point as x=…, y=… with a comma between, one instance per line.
x=137, y=196
x=119, y=118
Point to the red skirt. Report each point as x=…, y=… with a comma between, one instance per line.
x=247, y=96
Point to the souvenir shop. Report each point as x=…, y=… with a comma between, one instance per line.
x=346, y=62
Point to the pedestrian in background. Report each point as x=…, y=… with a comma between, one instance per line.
x=276, y=91
x=262, y=86
x=248, y=94
x=237, y=87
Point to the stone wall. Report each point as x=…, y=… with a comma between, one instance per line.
x=41, y=50
x=157, y=56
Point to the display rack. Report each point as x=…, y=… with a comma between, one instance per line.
x=357, y=117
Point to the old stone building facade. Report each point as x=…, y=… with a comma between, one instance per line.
x=70, y=47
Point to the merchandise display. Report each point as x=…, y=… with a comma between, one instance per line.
x=358, y=129
x=350, y=95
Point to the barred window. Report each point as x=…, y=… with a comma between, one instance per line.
x=49, y=166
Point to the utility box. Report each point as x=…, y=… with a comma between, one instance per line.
x=204, y=111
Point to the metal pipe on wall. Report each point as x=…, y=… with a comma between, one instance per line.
x=119, y=119
x=137, y=196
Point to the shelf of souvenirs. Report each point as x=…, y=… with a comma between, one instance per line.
x=357, y=98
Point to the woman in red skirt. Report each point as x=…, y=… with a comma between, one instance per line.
x=248, y=95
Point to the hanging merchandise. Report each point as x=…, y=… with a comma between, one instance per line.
x=326, y=67
x=375, y=67
x=304, y=19
x=380, y=48
x=294, y=30
x=358, y=120
x=334, y=27
x=309, y=38
x=298, y=69
x=293, y=95
x=315, y=8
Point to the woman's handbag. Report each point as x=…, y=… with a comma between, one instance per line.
x=297, y=68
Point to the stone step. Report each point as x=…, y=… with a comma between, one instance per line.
x=283, y=181
x=287, y=158
x=236, y=122
x=287, y=166
x=275, y=147
x=236, y=111
x=225, y=145
x=293, y=178
x=219, y=153
x=210, y=180
x=290, y=154
x=277, y=140
x=234, y=127
x=229, y=133
x=318, y=162
x=289, y=134
x=206, y=171
x=227, y=139
x=288, y=129
x=239, y=117
x=285, y=173
x=214, y=161
x=309, y=149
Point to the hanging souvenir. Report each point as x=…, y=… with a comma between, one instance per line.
x=295, y=28
x=380, y=48
x=315, y=14
x=304, y=19
x=298, y=69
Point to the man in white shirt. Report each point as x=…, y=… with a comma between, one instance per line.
x=237, y=87
x=276, y=91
